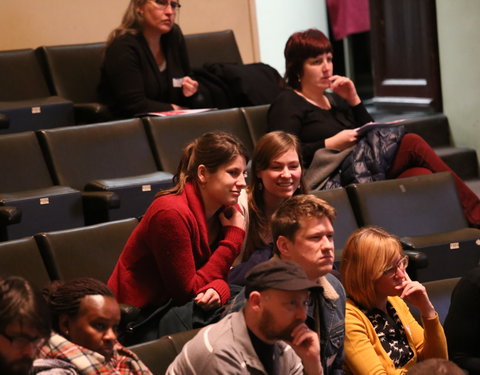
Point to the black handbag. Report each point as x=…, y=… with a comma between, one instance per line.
x=145, y=327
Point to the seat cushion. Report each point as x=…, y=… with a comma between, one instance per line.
x=52, y=208
x=414, y=206
x=35, y=114
x=170, y=134
x=22, y=258
x=23, y=166
x=85, y=251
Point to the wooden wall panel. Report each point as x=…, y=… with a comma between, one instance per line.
x=405, y=54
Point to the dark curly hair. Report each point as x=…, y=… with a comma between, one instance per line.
x=64, y=297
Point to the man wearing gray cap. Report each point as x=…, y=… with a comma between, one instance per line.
x=268, y=336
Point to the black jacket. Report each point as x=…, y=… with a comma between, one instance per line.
x=370, y=159
x=131, y=82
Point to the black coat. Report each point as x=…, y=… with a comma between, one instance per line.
x=131, y=82
x=370, y=159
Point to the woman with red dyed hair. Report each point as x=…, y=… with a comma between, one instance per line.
x=323, y=110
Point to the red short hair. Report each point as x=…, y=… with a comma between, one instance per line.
x=300, y=47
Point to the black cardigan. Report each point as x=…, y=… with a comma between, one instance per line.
x=131, y=82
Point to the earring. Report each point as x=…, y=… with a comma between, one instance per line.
x=260, y=186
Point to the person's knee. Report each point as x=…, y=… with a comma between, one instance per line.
x=416, y=171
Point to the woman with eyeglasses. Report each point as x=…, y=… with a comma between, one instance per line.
x=382, y=336
x=146, y=67
x=85, y=318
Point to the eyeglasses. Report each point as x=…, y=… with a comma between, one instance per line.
x=402, y=264
x=21, y=342
x=163, y=4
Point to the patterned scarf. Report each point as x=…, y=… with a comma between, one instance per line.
x=88, y=362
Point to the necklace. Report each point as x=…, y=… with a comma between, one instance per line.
x=322, y=102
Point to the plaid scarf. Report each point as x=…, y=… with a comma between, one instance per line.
x=88, y=362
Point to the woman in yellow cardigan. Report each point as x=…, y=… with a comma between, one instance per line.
x=382, y=336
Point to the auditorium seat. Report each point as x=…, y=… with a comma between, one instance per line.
x=111, y=163
x=159, y=354
x=29, y=200
x=425, y=212
x=170, y=134
x=90, y=251
x=22, y=258
x=345, y=222
x=25, y=100
x=73, y=73
x=256, y=118
x=212, y=47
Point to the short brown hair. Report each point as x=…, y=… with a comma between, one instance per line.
x=21, y=302
x=367, y=253
x=286, y=221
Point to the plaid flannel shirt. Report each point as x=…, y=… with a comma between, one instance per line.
x=88, y=362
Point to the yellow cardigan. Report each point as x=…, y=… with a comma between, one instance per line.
x=364, y=353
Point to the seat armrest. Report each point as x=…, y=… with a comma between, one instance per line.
x=129, y=313
x=100, y=200
x=10, y=215
x=155, y=178
x=92, y=112
x=418, y=242
x=416, y=259
x=4, y=121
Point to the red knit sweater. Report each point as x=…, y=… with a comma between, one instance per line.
x=168, y=254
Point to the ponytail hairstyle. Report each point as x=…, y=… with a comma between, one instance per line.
x=212, y=149
x=270, y=146
x=65, y=297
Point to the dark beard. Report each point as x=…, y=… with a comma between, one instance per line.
x=18, y=367
x=270, y=331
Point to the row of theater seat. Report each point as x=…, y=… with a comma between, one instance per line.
x=90, y=251
x=114, y=168
x=57, y=85
x=93, y=250
x=433, y=235
x=401, y=206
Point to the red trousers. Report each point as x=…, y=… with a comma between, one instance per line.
x=415, y=157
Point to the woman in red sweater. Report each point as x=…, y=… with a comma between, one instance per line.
x=190, y=235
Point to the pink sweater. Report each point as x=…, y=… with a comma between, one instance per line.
x=168, y=255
